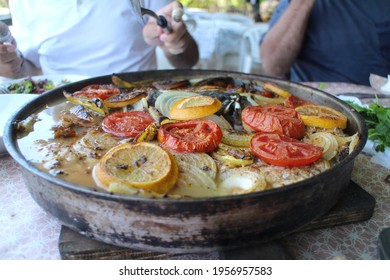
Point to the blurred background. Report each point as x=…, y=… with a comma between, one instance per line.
x=227, y=32
x=251, y=8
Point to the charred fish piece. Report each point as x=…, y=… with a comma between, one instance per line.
x=179, y=85
x=221, y=82
x=231, y=106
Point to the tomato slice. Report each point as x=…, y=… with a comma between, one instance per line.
x=268, y=94
x=194, y=136
x=274, y=119
x=294, y=101
x=281, y=150
x=127, y=124
x=97, y=91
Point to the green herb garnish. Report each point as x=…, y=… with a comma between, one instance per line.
x=323, y=86
x=377, y=119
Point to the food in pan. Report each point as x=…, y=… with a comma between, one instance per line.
x=193, y=138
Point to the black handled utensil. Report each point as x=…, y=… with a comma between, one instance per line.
x=161, y=20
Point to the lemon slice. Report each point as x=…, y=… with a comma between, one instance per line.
x=194, y=107
x=143, y=165
x=321, y=116
x=196, y=101
x=165, y=100
x=275, y=89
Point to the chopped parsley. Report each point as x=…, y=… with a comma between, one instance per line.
x=377, y=119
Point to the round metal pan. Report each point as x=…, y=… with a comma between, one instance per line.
x=187, y=225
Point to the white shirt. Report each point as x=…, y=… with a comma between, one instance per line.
x=83, y=37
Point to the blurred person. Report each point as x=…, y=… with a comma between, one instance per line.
x=91, y=38
x=328, y=41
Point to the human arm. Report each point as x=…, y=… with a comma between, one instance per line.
x=282, y=43
x=13, y=64
x=179, y=47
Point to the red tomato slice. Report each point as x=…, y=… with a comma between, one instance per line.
x=127, y=124
x=267, y=94
x=294, y=101
x=97, y=91
x=281, y=150
x=194, y=136
x=274, y=119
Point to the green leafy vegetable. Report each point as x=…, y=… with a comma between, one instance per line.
x=377, y=119
x=30, y=85
x=323, y=86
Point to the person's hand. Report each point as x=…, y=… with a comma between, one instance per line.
x=11, y=60
x=177, y=40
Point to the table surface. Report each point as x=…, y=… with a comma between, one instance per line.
x=30, y=233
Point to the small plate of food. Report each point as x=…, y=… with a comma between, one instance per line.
x=18, y=92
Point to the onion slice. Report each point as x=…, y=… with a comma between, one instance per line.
x=240, y=181
x=327, y=142
x=166, y=99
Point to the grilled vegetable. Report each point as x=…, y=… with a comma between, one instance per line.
x=95, y=104
x=236, y=138
x=125, y=98
x=119, y=82
x=232, y=156
x=149, y=134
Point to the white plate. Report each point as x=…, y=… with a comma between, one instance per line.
x=10, y=103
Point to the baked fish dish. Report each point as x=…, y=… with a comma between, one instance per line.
x=184, y=138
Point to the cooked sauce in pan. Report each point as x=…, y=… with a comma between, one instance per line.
x=40, y=148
